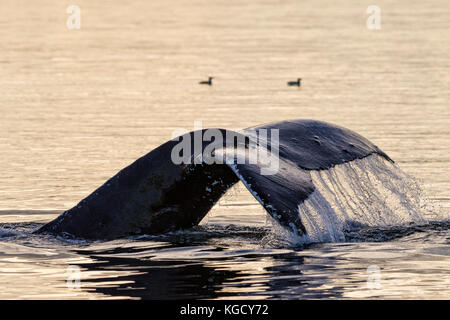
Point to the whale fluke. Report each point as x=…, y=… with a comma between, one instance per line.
x=154, y=195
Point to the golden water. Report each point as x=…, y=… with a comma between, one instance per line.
x=78, y=105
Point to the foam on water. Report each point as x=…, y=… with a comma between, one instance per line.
x=369, y=192
x=6, y=233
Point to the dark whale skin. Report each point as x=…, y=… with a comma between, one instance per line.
x=153, y=195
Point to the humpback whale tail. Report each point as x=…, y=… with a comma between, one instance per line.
x=156, y=194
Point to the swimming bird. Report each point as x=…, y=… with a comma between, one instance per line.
x=295, y=83
x=209, y=82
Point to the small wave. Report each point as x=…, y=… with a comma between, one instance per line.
x=6, y=233
x=419, y=231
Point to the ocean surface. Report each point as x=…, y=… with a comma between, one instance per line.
x=79, y=105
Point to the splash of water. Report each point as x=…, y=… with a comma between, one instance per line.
x=369, y=192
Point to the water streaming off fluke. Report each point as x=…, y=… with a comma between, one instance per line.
x=369, y=192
